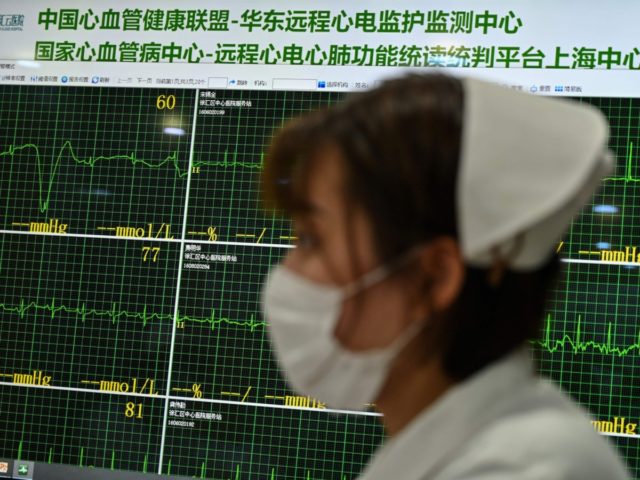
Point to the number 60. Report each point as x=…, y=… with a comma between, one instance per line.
x=166, y=102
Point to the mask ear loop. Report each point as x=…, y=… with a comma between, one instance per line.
x=378, y=274
x=501, y=262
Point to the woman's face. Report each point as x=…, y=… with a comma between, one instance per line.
x=335, y=246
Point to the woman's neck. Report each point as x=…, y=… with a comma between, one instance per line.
x=411, y=387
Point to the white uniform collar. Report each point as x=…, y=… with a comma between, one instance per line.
x=434, y=437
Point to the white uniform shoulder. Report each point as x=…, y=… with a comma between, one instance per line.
x=502, y=423
x=544, y=437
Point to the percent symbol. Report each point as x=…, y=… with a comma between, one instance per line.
x=213, y=236
x=196, y=388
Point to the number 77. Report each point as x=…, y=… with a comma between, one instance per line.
x=145, y=253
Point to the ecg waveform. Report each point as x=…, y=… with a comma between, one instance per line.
x=576, y=342
x=114, y=315
x=231, y=163
x=200, y=472
x=82, y=459
x=45, y=185
x=628, y=176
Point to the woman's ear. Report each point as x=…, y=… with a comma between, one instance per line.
x=442, y=272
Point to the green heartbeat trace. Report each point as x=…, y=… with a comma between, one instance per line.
x=576, y=344
x=145, y=465
x=112, y=462
x=116, y=315
x=225, y=162
x=628, y=176
x=45, y=186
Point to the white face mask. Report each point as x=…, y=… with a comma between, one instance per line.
x=302, y=316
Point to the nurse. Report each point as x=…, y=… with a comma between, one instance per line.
x=427, y=213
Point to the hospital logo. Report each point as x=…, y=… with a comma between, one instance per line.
x=11, y=22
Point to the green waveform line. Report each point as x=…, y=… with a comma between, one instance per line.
x=116, y=315
x=225, y=162
x=628, y=174
x=145, y=465
x=112, y=463
x=577, y=344
x=46, y=185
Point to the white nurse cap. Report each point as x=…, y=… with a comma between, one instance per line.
x=528, y=164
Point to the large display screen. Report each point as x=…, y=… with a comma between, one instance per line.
x=133, y=245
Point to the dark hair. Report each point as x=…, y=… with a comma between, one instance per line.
x=400, y=145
